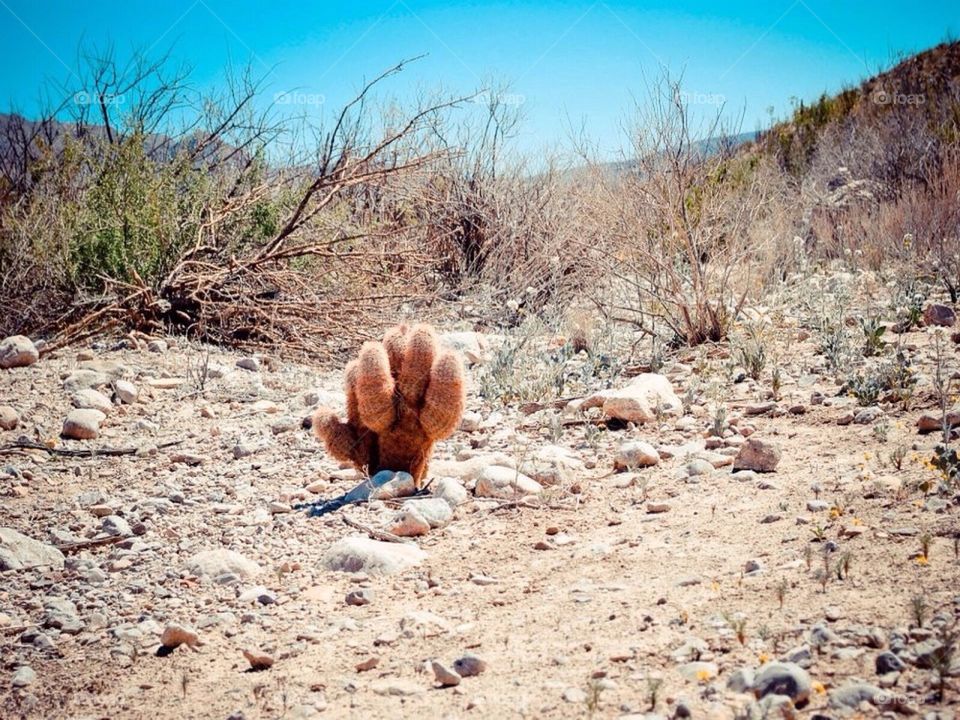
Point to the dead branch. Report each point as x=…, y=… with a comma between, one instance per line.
x=24, y=444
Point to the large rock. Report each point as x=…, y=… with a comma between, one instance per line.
x=497, y=481
x=436, y=511
x=17, y=351
x=639, y=401
x=450, y=490
x=757, y=455
x=933, y=423
x=779, y=678
x=635, y=454
x=18, y=552
x=941, y=315
x=467, y=470
x=361, y=554
x=213, y=563
x=83, y=424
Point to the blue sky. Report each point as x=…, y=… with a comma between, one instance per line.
x=579, y=62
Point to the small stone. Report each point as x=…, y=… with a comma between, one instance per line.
x=817, y=505
x=941, y=315
x=395, y=687
x=157, y=346
x=853, y=694
x=788, y=679
x=214, y=563
x=469, y=665
x=17, y=351
x=90, y=398
x=751, y=567
x=243, y=449
x=636, y=454
x=83, y=424
x=887, y=662
x=360, y=596
x=126, y=391
x=19, y=552
x=868, y=415
x=249, y=363
x=757, y=455
x=657, y=508
x=23, y=676
x=115, y=525
x=497, y=481
x=698, y=671
x=8, y=418
x=741, y=681
x=176, y=635
x=369, y=664
x=444, y=675
x=258, y=660
x=574, y=696
x=450, y=490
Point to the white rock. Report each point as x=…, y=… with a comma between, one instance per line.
x=17, y=351
x=435, y=511
x=553, y=465
x=635, y=454
x=8, y=418
x=23, y=676
x=470, y=469
x=84, y=380
x=17, y=552
x=472, y=345
x=470, y=422
x=409, y=523
x=91, y=399
x=638, y=402
x=126, y=391
x=83, y=424
x=450, y=490
x=502, y=482
x=212, y=563
x=361, y=554
x=423, y=623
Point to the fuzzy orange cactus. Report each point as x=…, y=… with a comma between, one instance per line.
x=403, y=394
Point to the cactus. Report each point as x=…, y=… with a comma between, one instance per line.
x=403, y=394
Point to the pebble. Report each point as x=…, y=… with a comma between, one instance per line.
x=215, y=563
x=360, y=596
x=258, y=660
x=757, y=455
x=83, y=424
x=126, y=391
x=887, y=662
x=249, y=363
x=174, y=636
x=469, y=665
x=444, y=675
x=17, y=351
x=496, y=481
x=8, y=418
x=115, y=525
x=90, y=398
x=23, y=676
x=788, y=679
x=636, y=454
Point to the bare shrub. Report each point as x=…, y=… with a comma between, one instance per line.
x=676, y=222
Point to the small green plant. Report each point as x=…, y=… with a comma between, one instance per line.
x=926, y=541
x=918, y=610
x=942, y=657
x=776, y=383
x=819, y=533
x=872, y=336
x=739, y=627
x=897, y=456
x=653, y=691
x=881, y=432
x=866, y=388
x=808, y=556
x=782, y=591
x=752, y=353
x=719, y=419
x=843, y=566
x=946, y=461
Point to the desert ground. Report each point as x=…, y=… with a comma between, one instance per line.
x=609, y=568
